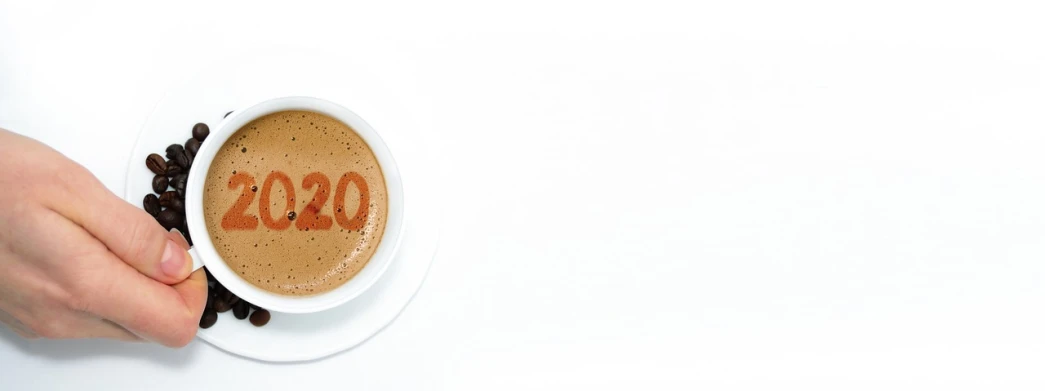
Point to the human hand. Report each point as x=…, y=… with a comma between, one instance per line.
x=78, y=262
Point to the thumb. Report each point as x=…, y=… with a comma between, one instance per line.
x=130, y=233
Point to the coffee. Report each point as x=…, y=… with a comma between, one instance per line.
x=295, y=203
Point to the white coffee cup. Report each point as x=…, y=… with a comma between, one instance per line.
x=204, y=253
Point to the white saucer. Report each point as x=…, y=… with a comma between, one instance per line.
x=241, y=80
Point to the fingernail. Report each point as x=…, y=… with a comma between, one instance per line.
x=173, y=261
x=179, y=238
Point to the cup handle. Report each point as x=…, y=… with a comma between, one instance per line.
x=196, y=262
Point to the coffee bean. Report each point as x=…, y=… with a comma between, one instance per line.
x=181, y=158
x=151, y=204
x=233, y=300
x=173, y=150
x=260, y=318
x=159, y=184
x=168, y=219
x=292, y=215
x=210, y=301
x=200, y=131
x=178, y=205
x=166, y=197
x=241, y=310
x=210, y=277
x=173, y=169
x=210, y=317
x=226, y=296
x=227, y=115
x=156, y=164
x=192, y=146
x=220, y=305
x=178, y=181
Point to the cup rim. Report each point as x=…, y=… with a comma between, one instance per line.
x=204, y=247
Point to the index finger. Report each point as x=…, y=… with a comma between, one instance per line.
x=127, y=231
x=132, y=235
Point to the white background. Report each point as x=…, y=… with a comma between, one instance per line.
x=727, y=195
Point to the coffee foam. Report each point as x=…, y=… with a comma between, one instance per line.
x=292, y=261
